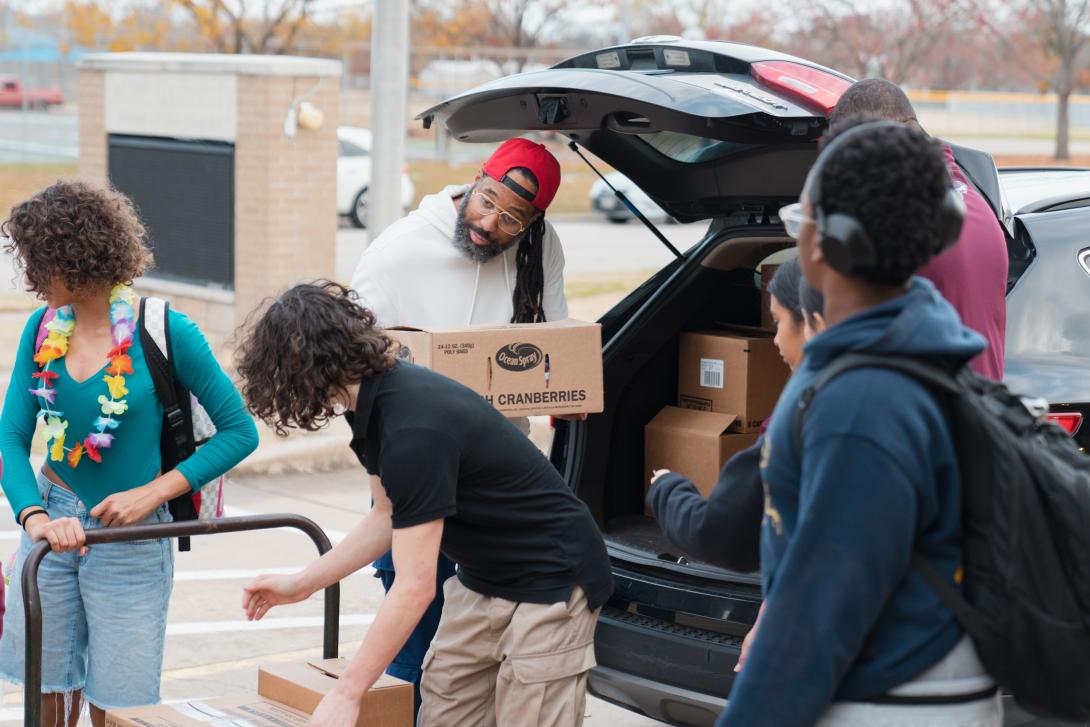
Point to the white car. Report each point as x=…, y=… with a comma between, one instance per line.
x=354, y=175
x=604, y=201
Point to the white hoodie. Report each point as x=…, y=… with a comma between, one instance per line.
x=413, y=275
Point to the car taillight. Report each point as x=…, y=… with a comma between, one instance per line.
x=809, y=86
x=1070, y=421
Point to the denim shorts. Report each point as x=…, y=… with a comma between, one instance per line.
x=104, y=614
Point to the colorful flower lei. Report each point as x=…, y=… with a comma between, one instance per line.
x=55, y=345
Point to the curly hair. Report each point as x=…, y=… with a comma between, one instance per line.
x=86, y=237
x=303, y=352
x=893, y=180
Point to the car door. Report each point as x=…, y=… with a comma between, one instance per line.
x=353, y=173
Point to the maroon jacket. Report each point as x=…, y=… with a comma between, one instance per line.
x=972, y=274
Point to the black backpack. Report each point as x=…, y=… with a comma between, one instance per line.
x=185, y=423
x=1026, y=529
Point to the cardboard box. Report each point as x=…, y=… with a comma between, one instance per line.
x=249, y=710
x=767, y=271
x=692, y=443
x=521, y=369
x=303, y=684
x=734, y=371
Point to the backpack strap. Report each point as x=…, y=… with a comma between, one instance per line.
x=155, y=338
x=176, y=442
x=935, y=376
x=965, y=614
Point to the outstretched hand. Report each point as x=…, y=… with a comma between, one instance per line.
x=268, y=591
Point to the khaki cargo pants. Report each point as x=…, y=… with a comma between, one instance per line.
x=496, y=662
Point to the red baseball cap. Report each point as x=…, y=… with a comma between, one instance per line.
x=519, y=152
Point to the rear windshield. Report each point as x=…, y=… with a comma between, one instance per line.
x=692, y=149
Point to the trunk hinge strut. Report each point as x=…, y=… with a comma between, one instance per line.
x=627, y=203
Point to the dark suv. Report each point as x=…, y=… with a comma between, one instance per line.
x=727, y=132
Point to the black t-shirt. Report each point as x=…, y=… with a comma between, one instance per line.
x=512, y=524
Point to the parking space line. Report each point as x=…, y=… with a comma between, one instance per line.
x=234, y=665
x=239, y=626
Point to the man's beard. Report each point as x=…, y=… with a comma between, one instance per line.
x=462, y=241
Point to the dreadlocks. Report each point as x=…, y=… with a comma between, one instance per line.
x=530, y=276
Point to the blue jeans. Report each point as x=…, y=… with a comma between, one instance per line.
x=104, y=614
x=407, y=664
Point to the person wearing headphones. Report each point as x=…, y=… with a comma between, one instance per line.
x=850, y=634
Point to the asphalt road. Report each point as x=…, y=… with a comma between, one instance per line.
x=38, y=136
x=211, y=649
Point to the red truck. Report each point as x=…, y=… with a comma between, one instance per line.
x=12, y=95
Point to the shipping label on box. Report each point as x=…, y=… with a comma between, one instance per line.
x=695, y=444
x=737, y=372
x=521, y=369
x=302, y=685
x=247, y=710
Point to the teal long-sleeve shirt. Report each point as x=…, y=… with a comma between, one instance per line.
x=133, y=459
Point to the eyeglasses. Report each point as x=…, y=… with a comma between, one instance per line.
x=484, y=206
x=793, y=219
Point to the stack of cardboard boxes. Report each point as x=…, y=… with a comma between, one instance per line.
x=728, y=383
x=287, y=694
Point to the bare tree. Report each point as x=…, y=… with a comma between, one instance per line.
x=495, y=23
x=867, y=39
x=234, y=26
x=1062, y=26
x=1051, y=40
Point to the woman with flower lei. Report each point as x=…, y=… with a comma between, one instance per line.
x=80, y=380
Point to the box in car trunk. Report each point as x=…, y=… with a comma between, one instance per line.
x=735, y=371
x=692, y=443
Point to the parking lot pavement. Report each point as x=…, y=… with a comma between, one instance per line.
x=211, y=650
x=591, y=245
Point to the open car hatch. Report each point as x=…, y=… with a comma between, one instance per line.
x=706, y=129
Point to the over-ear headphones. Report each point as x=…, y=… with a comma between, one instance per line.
x=844, y=241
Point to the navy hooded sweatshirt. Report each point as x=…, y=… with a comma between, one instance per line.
x=846, y=617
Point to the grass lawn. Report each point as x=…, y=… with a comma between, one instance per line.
x=19, y=181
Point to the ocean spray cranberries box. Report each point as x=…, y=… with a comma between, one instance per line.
x=522, y=369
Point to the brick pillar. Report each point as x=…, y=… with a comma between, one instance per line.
x=285, y=223
x=92, y=126
x=285, y=189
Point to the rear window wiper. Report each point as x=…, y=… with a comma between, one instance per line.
x=626, y=202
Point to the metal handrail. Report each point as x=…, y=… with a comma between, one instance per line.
x=32, y=604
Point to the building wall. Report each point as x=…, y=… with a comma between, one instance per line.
x=92, y=126
x=285, y=189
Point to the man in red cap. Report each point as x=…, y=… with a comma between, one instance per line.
x=477, y=253
x=480, y=253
